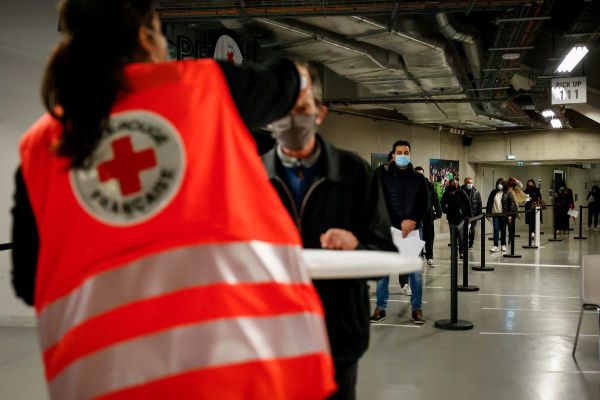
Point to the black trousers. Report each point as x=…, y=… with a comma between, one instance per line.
x=428, y=236
x=472, y=233
x=593, y=212
x=345, y=377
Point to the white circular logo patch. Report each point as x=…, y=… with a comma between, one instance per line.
x=137, y=169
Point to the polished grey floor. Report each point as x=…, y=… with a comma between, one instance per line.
x=524, y=318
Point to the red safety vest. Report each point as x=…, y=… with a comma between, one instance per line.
x=168, y=268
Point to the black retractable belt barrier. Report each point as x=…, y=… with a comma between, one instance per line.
x=6, y=246
x=531, y=227
x=465, y=287
x=454, y=323
x=482, y=267
x=581, y=237
x=511, y=234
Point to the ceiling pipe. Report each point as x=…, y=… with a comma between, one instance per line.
x=468, y=41
x=383, y=58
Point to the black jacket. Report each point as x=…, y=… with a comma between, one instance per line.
x=343, y=195
x=456, y=206
x=406, y=194
x=474, y=199
x=508, y=202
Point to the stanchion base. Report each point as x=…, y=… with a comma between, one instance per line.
x=555, y=240
x=580, y=237
x=530, y=247
x=512, y=256
x=469, y=288
x=453, y=326
x=482, y=269
x=490, y=238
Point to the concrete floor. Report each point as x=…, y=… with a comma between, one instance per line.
x=525, y=318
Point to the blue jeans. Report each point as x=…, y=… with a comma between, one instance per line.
x=416, y=286
x=499, y=230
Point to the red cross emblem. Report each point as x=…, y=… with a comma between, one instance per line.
x=230, y=56
x=126, y=166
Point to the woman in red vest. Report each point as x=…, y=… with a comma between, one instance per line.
x=156, y=270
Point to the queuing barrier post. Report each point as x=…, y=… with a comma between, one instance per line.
x=482, y=266
x=511, y=234
x=581, y=237
x=454, y=323
x=465, y=287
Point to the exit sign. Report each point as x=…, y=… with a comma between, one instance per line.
x=569, y=90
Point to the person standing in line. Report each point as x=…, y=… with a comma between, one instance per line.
x=535, y=198
x=149, y=277
x=593, y=199
x=337, y=204
x=511, y=203
x=434, y=212
x=563, y=202
x=476, y=207
x=497, y=197
x=406, y=197
x=455, y=204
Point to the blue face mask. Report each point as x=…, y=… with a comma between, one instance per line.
x=469, y=186
x=401, y=160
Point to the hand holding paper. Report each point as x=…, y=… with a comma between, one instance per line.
x=409, y=246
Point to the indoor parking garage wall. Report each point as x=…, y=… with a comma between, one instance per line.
x=28, y=32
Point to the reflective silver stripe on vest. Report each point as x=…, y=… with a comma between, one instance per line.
x=233, y=263
x=208, y=345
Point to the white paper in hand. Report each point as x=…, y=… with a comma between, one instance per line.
x=410, y=246
x=573, y=213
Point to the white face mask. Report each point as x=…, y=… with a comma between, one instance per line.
x=500, y=187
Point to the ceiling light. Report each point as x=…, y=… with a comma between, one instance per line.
x=572, y=59
x=535, y=163
x=510, y=56
x=511, y=157
x=556, y=123
x=548, y=113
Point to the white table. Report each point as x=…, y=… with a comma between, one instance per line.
x=341, y=264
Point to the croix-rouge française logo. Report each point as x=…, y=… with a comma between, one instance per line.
x=136, y=170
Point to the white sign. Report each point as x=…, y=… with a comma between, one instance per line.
x=227, y=49
x=569, y=90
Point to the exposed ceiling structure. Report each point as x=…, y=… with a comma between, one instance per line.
x=476, y=66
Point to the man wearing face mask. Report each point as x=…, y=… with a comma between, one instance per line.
x=407, y=201
x=336, y=204
x=476, y=206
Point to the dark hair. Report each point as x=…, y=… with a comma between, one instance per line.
x=85, y=76
x=503, y=183
x=419, y=168
x=390, y=156
x=532, y=181
x=400, y=143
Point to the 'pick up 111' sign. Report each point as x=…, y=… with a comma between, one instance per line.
x=569, y=90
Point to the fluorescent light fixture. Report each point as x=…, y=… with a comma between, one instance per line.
x=548, y=113
x=572, y=59
x=520, y=163
x=535, y=163
x=511, y=56
x=511, y=157
x=556, y=123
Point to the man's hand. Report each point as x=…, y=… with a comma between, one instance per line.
x=339, y=239
x=407, y=226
